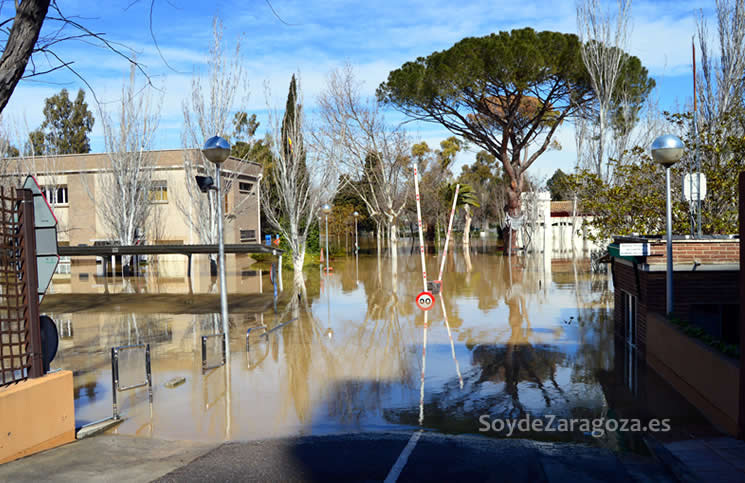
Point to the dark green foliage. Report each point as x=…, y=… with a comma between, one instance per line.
x=560, y=187
x=35, y=145
x=348, y=195
x=244, y=129
x=634, y=203
x=312, y=242
x=488, y=186
x=65, y=128
x=244, y=146
x=491, y=77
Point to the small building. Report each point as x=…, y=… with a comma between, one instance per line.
x=75, y=186
x=706, y=307
x=568, y=232
x=705, y=285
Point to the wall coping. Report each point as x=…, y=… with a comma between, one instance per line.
x=676, y=239
x=683, y=267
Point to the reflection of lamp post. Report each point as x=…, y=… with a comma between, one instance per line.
x=217, y=150
x=667, y=150
x=326, y=210
x=356, y=245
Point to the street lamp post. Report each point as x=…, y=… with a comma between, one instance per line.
x=356, y=245
x=326, y=210
x=667, y=150
x=217, y=150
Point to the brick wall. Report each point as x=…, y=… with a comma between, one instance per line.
x=708, y=251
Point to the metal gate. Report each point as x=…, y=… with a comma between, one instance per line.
x=116, y=381
x=20, y=336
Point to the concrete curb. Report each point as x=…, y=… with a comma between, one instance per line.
x=97, y=427
x=672, y=463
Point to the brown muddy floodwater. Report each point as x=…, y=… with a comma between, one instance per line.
x=527, y=339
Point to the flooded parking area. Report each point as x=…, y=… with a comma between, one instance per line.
x=508, y=339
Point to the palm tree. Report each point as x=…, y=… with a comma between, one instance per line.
x=466, y=199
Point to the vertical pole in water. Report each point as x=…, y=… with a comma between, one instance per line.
x=695, y=150
x=669, y=237
x=447, y=236
x=279, y=273
x=114, y=380
x=419, y=223
x=221, y=261
x=149, y=373
x=424, y=280
x=327, y=245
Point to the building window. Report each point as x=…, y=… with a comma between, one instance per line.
x=63, y=267
x=248, y=235
x=159, y=192
x=55, y=195
x=629, y=317
x=245, y=188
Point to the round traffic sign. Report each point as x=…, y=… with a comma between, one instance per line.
x=425, y=300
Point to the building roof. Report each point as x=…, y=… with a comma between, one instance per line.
x=95, y=161
x=564, y=208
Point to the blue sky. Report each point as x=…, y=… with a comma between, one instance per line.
x=375, y=37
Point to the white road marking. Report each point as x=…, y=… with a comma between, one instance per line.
x=402, y=458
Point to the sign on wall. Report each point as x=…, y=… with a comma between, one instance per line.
x=634, y=249
x=45, y=226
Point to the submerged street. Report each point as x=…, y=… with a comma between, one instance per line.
x=346, y=355
x=325, y=381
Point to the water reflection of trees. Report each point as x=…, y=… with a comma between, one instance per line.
x=521, y=360
x=373, y=357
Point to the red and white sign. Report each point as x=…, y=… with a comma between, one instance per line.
x=425, y=301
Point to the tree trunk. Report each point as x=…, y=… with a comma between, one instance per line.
x=467, y=228
x=513, y=209
x=298, y=259
x=23, y=35
x=378, y=236
x=393, y=231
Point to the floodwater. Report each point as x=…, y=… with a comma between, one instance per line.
x=509, y=338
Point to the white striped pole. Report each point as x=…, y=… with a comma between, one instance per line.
x=424, y=365
x=447, y=236
x=419, y=223
x=452, y=346
x=424, y=279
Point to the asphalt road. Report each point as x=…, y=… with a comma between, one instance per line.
x=435, y=457
x=347, y=457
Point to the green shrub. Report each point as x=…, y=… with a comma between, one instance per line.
x=696, y=332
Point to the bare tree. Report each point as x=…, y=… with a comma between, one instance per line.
x=721, y=83
x=28, y=52
x=297, y=181
x=604, y=37
x=45, y=167
x=208, y=112
x=376, y=155
x=124, y=188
